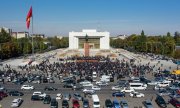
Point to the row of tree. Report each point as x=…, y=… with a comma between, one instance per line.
x=11, y=47
x=164, y=45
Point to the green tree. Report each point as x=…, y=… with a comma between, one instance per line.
x=4, y=36
x=168, y=34
x=177, y=38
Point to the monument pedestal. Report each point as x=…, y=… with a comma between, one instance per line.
x=86, y=49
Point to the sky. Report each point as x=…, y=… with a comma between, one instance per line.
x=59, y=17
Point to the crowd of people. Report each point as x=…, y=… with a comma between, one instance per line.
x=72, y=65
x=81, y=66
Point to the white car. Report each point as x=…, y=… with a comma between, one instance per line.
x=27, y=87
x=86, y=84
x=127, y=90
x=102, y=83
x=156, y=87
x=116, y=88
x=59, y=96
x=1, y=88
x=136, y=94
x=40, y=94
x=91, y=91
x=96, y=88
x=16, y=102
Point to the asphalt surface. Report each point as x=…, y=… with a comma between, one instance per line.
x=103, y=94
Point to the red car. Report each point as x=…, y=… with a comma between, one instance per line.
x=2, y=94
x=76, y=104
x=175, y=102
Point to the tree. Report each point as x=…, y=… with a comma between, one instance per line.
x=4, y=36
x=177, y=54
x=142, y=33
x=168, y=34
x=177, y=37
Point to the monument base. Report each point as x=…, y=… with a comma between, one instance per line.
x=86, y=49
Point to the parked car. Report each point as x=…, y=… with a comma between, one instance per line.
x=108, y=103
x=86, y=103
x=3, y=94
x=67, y=96
x=127, y=90
x=40, y=94
x=77, y=87
x=54, y=103
x=75, y=104
x=148, y=104
x=175, y=95
x=27, y=87
x=45, y=80
x=102, y=83
x=15, y=93
x=175, y=102
x=49, y=88
x=77, y=96
x=36, y=81
x=124, y=104
x=89, y=91
x=59, y=96
x=68, y=85
x=65, y=104
x=96, y=88
x=116, y=104
x=116, y=87
x=163, y=92
x=36, y=98
x=16, y=102
x=136, y=94
x=47, y=99
x=2, y=88
x=160, y=101
x=118, y=94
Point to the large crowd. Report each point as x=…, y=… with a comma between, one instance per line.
x=83, y=66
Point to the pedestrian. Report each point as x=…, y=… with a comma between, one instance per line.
x=152, y=98
x=3, y=80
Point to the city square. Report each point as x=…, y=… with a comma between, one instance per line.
x=90, y=54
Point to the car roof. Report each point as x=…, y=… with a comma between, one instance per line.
x=115, y=101
x=124, y=101
x=15, y=100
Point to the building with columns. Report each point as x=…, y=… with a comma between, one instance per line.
x=96, y=40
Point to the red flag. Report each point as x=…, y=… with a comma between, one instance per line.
x=28, y=18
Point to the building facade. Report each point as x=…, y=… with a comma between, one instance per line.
x=18, y=35
x=96, y=40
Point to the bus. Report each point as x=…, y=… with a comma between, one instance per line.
x=138, y=86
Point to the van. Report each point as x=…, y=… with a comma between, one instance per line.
x=96, y=102
x=105, y=78
x=138, y=86
x=164, y=83
x=94, y=75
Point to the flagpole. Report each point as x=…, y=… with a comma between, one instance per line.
x=32, y=40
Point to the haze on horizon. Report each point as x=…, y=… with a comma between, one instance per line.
x=59, y=17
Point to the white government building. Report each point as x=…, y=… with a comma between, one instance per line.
x=96, y=40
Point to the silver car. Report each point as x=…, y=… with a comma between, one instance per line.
x=16, y=102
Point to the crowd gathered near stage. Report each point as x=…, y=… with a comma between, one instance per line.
x=82, y=66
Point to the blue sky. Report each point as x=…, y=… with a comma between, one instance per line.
x=58, y=17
